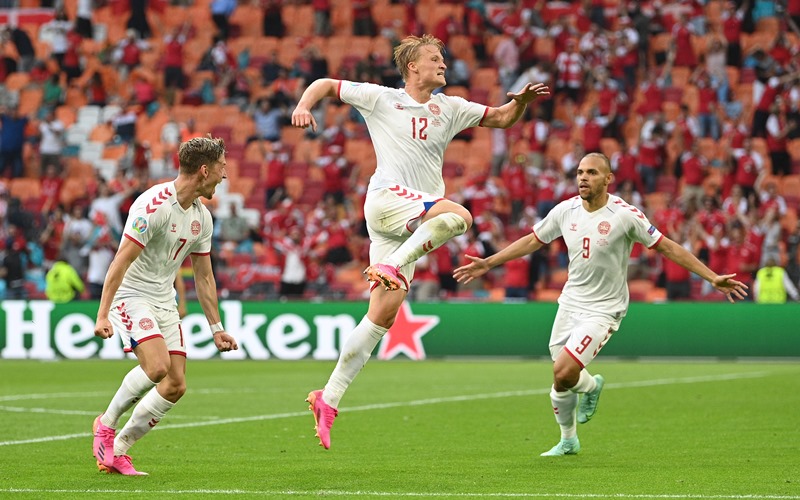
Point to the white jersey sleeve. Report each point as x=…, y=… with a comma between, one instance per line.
x=599, y=245
x=410, y=137
x=145, y=219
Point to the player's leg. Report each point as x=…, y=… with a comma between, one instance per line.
x=443, y=221
x=133, y=322
x=422, y=223
x=169, y=351
x=355, y=353
x=591, y=333
x=564, y=402
x=153, y=406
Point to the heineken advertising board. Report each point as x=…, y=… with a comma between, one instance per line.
x=303, y=330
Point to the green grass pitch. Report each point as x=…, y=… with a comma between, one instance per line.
x=433, y=429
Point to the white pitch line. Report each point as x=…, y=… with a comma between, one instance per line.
x=52, y=411
x=754, y=496
x=418, y=402
x=63, y=395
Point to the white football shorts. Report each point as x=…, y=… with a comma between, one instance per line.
x=136, y=321
x=581, y=334
x=392, y=214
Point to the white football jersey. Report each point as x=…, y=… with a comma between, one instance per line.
x=599, y=244
x=168, y=234
x=410, y=138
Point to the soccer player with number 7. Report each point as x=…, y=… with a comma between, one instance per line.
x=406, y=213
x=599, y=230
x=166, y=223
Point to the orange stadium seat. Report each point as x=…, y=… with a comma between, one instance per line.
x=298, y=19
x=74, y=188
x=17, y=81
x=25, y=188
x=248, y=18
x=789, y=187
x=462, y=48
x=30, y=99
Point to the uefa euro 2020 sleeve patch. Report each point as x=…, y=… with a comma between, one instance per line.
x=139, y=225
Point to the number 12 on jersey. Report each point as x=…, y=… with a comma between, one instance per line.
x=422, y=123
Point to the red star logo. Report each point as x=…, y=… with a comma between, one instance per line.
x=405, y=335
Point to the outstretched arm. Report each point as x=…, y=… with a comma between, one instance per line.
x=478, y=267
x=508, y=114
x=724, y=283
x=207, y=295
x=324, y=87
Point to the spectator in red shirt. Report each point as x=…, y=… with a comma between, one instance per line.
x=749, y=165
x=322, y=17
x=445, y=28
x=71, y=65
x=706, y=104
x=571, y=71
x=651, y=157
x=275, y=179
x=51, y=188
x=742, y=256
x=778, y=128
x=518, y=186
x=623, y=164
x=128, y=53
x=768, y=93
x=670, y=218
x=335, y=171
x=517, y=278
x=682, y=33
x=695, y=170
x=173, y=57
x=710, y=215
x=677, y=278
x=363, y=23
x=732, y=19
x=444, y=264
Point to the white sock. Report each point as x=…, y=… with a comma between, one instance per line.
x=564, y=404
x=355, y=354
x=133, y=387
x=586, y=383
x=150, y=410
x=429, y=236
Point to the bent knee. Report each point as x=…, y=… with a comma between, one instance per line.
x=565, y=378
x=157, y=371
x=464, y=213
x=175, y=390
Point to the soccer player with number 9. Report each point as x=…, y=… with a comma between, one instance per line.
x=599, y=230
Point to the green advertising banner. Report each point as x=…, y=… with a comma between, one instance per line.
x=299, y=330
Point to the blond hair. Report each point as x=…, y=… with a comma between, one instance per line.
x=408, y=51
x=199, y=151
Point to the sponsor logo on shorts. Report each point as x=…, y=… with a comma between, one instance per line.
x=434, y=108
x=195, y=227
x=604, y=227
x=146, y=324
x=139, y=225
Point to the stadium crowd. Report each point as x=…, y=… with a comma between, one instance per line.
x=697, y=103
